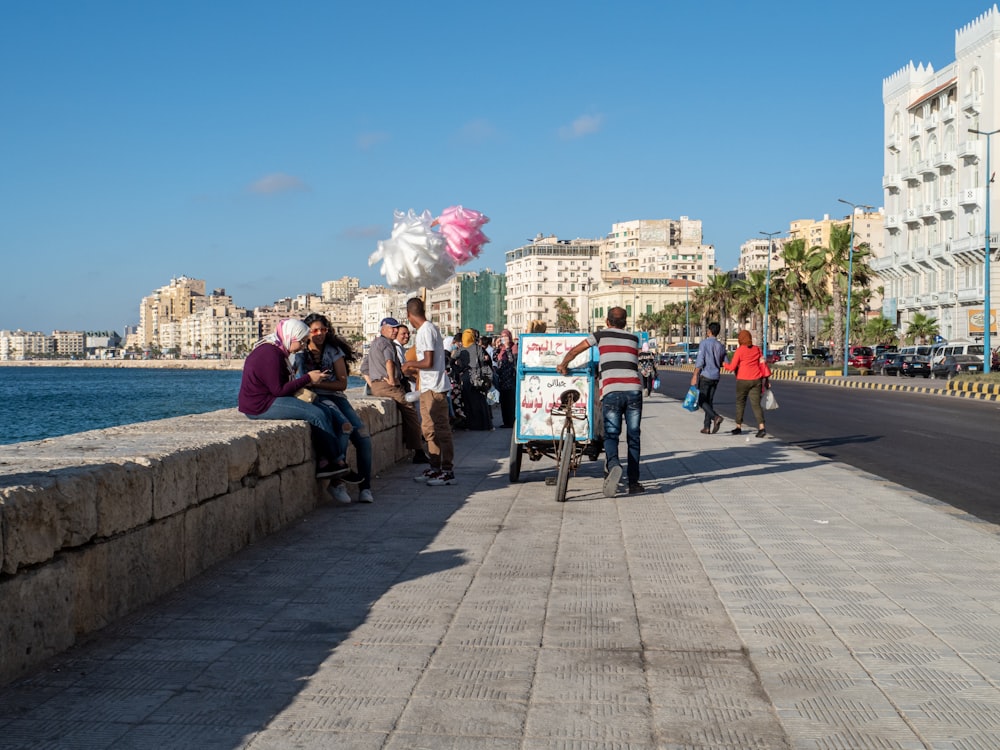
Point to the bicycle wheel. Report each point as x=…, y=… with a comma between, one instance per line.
x=516, y=453
x=567, y=445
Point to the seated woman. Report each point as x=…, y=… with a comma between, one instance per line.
x=267, y=391
x=330, y=353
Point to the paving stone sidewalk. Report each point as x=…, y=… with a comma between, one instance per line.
x=756, y=596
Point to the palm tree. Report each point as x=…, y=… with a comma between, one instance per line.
x=750, y=293
x=922, y=327
x=880, y=331
x=716, y=296
x=799, y=281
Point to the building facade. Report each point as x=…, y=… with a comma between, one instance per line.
x=935, y=185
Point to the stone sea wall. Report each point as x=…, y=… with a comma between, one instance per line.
x=95, y=525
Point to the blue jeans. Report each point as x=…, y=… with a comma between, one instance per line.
x=614, y=406
x=342, y=411
x=324, y=437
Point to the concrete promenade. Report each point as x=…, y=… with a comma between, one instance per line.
x=756, y=596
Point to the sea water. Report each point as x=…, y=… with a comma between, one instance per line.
x=44, y=402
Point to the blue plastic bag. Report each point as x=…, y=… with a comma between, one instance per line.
x=691, y=399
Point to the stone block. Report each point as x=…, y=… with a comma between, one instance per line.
x=124, y=497
x=216, y=530
x=40, y=519
x=281, y=444
x=267, y=506
x=35, y=621
x=300, y=492
x=242, y=455
x=213, y=471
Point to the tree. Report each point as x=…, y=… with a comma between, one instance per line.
x=565, y=317
x=800, y=281
x=922, y=327
x=716, y=297
x=880, y=331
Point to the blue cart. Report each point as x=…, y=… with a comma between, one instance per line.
x=555, y=414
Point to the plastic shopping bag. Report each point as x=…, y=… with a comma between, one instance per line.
x=656, y=384
x=691, y=399
x=769, y=401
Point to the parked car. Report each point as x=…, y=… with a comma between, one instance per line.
x=774, y=355
x=887, y=363
x=954, y=364
x=913, y=365
x=860, y=357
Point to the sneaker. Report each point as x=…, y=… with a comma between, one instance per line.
x=761, y=432
x=444, y=477
x=426, y=475
x=366, y=497
x=735, y=431
x=716, y=424
x=636, y=489
x=351, y=477
x=611, y=480
x=340, y=494
x=330, y=471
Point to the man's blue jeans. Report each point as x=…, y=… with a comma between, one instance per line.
x=615, y=406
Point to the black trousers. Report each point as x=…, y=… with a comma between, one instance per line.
x=706, y=395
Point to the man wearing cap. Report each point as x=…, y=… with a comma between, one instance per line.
x=384, y=372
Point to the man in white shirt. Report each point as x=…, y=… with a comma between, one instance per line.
x=434, y=388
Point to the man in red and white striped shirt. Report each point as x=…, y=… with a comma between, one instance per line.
x=621, y=396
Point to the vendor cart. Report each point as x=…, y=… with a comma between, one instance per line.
x=556, y=415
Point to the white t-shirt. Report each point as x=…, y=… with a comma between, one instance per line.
x=428, y=339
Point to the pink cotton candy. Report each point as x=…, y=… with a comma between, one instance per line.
x=460, y=228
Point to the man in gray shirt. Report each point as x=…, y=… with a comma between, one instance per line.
x=384, y=372
x=707, y=367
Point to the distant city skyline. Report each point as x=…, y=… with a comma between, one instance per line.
x=264, y=148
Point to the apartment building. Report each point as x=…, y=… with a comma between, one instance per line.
x=341, y=290
x=665, y=248
x=547, y=268
x=754, y=255
x=935, y=184
x=168, y=304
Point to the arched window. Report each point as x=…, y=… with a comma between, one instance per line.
x=949, y=138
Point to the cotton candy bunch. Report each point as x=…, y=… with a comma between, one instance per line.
x=461, y=228
x=415, y=254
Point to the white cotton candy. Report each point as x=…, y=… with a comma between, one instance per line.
x=414, y=256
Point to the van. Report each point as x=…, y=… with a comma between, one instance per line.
x=941, y=351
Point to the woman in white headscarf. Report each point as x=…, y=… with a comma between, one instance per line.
x=268, y=389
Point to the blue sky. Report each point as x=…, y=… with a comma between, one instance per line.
x=263, y=146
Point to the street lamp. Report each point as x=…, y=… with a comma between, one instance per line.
x=767, y=287
x=987, y=316
x=850, y=280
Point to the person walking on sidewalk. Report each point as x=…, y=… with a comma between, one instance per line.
x=621, y=396
x=752, y=375
x=647, y=369
x=431, y=365
x=707, y=371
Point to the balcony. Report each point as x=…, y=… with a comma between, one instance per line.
x=928, y=300
x=910, y=175
x=944, y=160
x=948, y=113
x=906, y=301
x=972, y=102
x=970, y=150
x=881, y=264
x=911, y=215
x=914, y=130
x=925, y=167
x=970, y=197
x=918, y=253
x=972, y=294
x=892, y=142
x=945, y=205
x=931, y=122
x=892, y=181
x=891, y=221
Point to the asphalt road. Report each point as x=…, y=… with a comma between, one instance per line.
x=945, y=447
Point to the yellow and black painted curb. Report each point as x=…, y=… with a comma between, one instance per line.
x=959, y=389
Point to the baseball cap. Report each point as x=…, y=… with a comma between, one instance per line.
x=389, y=322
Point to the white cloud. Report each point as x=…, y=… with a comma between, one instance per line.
x=278, y=183
x=581, y=126
x=477, y=131
x=368, y=141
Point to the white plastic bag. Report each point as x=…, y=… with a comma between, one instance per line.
x=768, y=401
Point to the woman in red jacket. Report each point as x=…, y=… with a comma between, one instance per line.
x=752, y=375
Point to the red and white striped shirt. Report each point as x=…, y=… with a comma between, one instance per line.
x=618, y=360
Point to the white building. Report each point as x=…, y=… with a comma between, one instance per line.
x=754, y=253
x=935, y=184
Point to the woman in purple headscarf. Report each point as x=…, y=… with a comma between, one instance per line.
x=268, y=390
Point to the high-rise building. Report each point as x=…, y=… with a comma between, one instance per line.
x=935, y=184
x=168, y=304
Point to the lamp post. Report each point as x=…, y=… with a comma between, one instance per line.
x=987, y=317
x=850, y=280
x=767, y=286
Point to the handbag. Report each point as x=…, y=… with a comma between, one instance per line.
x=304, y=394
x=691, y=399
x=768, y=401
